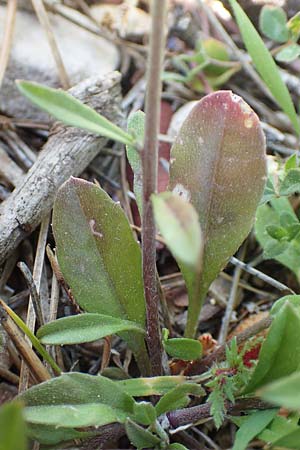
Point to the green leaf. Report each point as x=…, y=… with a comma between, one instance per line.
x=279, y=427
x=136, y=127
x=178, y=397
x=265, y=64
x=99, y=257
x=78, y=389
x=71, y=416
x=183, y=348
x=83, y=328
x=291, y=163
x=144, y=413
x=254, y=424
x=288, y=54
x=283, y=392
x=176, y=446
x=77, y=400
x=291, y=183
x=226, y=170
x=290, y=441
x=140, y=437
x=179, y=225
x=71, y=111
x=292, y=299
x=272, y=22
x=12, y=427
x=277, y=232
x=280, y=352
x=275, y=214
x=294, y=26
x=49, y=435
x=144, y=387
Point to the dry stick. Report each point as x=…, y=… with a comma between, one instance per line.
x=194, y=414
x=8, y=375
x=8, y=35
x=29, y=357
x=262, y=276
x=44, y=20
x=231, y=302
x=37, y=275
x=149, y=166
x=33, y=292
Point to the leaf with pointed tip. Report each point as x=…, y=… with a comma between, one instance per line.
x=84, y=328
x=221, y=147
x=136, y=127
x=99, y=257
x=179, y=225
x=71, y=111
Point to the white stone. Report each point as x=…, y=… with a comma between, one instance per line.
x=84, y=54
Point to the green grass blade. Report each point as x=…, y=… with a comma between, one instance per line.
x=71, y=111
x=265, y=64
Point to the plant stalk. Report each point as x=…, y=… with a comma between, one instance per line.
x=149, y=170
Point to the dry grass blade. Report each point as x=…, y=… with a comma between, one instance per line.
x=44, y=20
x=8, y=35
x=32, y=361
x=37, y=275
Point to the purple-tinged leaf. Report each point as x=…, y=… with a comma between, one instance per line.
x=98, y=256
x=218, y=163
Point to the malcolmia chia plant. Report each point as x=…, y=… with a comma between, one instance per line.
x=217, y=178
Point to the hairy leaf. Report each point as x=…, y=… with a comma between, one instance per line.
x=71, y=416
x=140, y=437
x=99, y=257
x=179, y=225
x=265, y=64
x=144, y=413
x=78, y=389
x=226, y=170
x=183, y=348
x=83, y=328
x=71, y=111
x=178, y=397
x=144, y=387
